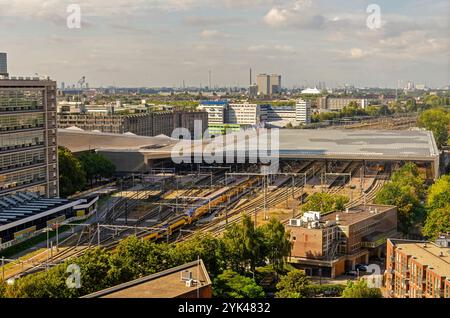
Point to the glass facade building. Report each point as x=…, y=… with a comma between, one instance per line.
x=28, y=141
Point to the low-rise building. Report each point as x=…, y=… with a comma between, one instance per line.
x=417, y=269
x=329, y=245
x=338, y=103
x=190, y=280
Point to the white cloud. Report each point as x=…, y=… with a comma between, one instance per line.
x=213, y=34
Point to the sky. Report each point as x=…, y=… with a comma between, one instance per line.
x=155, y=43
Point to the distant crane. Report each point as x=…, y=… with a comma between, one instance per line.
x=82, y=81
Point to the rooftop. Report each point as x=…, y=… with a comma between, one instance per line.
x=23, y=207
x=165, y=284
x=307, y=144
x=357, y=214
x=428, y=254
x=346, y=218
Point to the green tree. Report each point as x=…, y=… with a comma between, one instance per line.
x=97, y=166
x=439, y=193
x=71, y=174
x=230, y=284
x=405, y=191
x=325, y=202
x=293, y=285
x=437, y=222
x=436, y=120
x=276, y=243
x=208, y=248
x=359, y=289
x=243, y=245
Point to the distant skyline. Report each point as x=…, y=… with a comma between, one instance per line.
x=159, y=43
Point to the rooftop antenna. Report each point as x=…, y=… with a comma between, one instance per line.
x=250, y=76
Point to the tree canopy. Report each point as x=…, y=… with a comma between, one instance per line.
x=96, y=166
x=406, y=191
x=325, y=202
x=230, y=284
x=359, y=289
x=72, y=177
x=437, y=120
x=293, y=285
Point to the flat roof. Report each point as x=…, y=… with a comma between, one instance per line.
x=429, y=255
x=368, y=144
x=165, y=284
x=357, y=214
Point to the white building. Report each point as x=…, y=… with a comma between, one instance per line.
x=313, y=91
x=303, y=111
x=216, y=111
x=244, y=114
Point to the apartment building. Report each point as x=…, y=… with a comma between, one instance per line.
x=142, y=124
x=28, y=144
x=332, y=244
x=245, y=114
x=338, y=103
x=416, y=269
x=216, y=111
x=303, y=111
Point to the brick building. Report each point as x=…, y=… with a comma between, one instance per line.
x=416, y=269
x=334, y=243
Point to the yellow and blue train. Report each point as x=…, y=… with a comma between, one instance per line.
x=193, y=214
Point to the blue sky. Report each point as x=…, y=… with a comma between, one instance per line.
x=163, y=42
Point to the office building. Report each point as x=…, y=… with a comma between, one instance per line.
x=275, y=84
x=3, y=65
x=332, y=244
x=268, y=84
x=338, y=103
x=215, y=109
x=416, y=269
x=263, y=82
x=245, y=114
x=279, y=113
x=303, y=111
x=28, y=145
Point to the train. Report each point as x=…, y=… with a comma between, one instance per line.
x=205, y=205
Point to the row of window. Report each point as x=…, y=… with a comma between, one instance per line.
x=21, y=159
x=21, y=140
x=24, y=121
x=22, y=177
x=23, y=99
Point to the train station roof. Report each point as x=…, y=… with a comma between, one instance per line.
x=338, y=144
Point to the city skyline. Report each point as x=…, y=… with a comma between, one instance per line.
x=165, y=43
